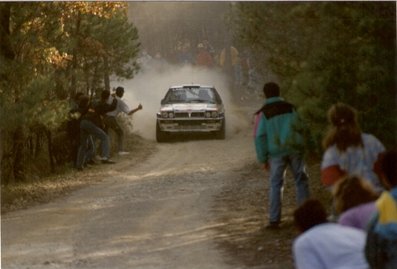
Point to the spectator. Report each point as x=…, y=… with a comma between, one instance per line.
x=92, y=125
x=348, y=150
x=74, y=102
x=245, y=67
x=279, y=144
x=209, y=47
x=324, y=245
x=381, y=245
x=73, y=125
x=229, y=60
x=111, y=121
x=184, y=54
x=354, y=201
x=203, y=57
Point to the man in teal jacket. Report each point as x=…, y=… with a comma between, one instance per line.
x=279, y=144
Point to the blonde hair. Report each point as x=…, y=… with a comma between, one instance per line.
x=344, y=130
x=352, y=191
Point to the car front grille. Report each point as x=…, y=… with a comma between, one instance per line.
x=189, y=115
x=197, y=115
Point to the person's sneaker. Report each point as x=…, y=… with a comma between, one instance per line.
x=107, y=161
x=273, y=226
x=123, y=153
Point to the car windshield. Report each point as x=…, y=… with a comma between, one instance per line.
x=192, y=95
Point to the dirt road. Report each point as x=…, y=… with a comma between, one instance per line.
x=192, y=204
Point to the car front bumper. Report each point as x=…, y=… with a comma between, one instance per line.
x=190, y=125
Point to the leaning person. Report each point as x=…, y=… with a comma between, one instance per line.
x=326, y=245
x=279, y=144
x=111, y=118
x=92, y=125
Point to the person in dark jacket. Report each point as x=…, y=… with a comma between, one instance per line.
x=73, y=126
x=92, y=125
x=279, y=144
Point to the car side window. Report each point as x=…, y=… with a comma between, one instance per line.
x=218, y=99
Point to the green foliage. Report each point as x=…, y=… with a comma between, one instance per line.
x=51, y=51
x=119, y=47
x=325, y=52
x=43, y=36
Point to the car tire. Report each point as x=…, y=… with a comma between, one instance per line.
x=221, y=134
x=160, y=135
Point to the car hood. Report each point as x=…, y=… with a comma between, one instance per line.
x=190, y=107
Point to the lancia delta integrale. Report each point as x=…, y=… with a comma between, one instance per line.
x=190, y=109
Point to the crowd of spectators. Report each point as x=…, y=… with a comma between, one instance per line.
x=236, y=63
x=360, y=229
x=89, y=125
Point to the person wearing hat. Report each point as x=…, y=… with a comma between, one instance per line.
x=348, y=151
x=111, y=121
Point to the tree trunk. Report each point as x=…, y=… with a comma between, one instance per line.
x=73, y=83
x=50, y=151
x=5, y=46
x=18, y=162
x=38, y=144
x=106, y=73
x=1, y=156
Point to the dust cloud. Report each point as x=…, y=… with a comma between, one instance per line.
x=149, y=86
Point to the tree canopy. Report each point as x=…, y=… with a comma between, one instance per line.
x=328, y=52
x=51, y=50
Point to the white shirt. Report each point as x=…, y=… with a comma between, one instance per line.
x=357, y=160
x=330, y=246
x=121, y=107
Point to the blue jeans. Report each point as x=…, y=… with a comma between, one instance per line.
x=91, y=148
x=89, y=130
x=112, y=123
x=278, y=166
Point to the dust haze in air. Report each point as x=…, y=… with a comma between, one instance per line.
x=149, y=86
x=161, y=25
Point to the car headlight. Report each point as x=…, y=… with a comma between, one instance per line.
x=211, y=114
x=167, y=114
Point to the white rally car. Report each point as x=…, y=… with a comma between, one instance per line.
x=190, y=109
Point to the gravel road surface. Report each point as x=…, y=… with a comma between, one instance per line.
x=173, y=210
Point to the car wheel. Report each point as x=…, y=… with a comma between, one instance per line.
x=160, y=135
x=221, y=134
